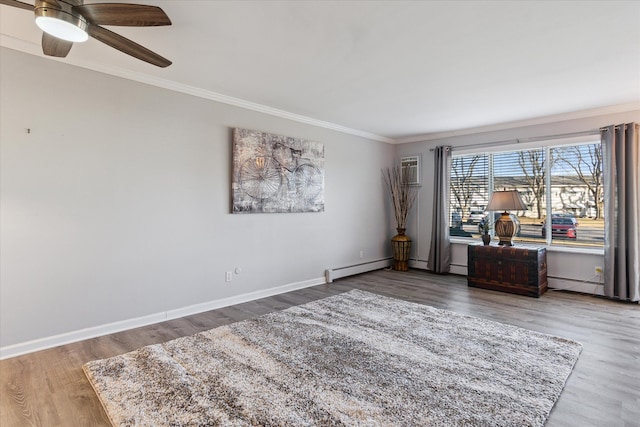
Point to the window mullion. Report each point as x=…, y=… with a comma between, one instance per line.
x=547, y=194
x=491, y=179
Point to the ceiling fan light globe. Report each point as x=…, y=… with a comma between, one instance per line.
x=62, y=25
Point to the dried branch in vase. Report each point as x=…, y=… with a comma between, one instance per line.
x=402, y=195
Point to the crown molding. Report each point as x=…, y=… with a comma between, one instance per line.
x=582, y=114
x=34, y=49
x=248, y=105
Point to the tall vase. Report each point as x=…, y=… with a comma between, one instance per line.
x=401, y=245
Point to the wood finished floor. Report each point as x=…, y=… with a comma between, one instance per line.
x=48, y=388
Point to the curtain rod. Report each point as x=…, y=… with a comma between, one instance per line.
x=531, y=139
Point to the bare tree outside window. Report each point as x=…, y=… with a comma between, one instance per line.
x=532, y=163
x=586, y=161
x=468, y=179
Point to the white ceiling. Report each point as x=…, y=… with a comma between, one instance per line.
x=392, y=70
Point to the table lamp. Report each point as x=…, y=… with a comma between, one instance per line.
x=505, y=201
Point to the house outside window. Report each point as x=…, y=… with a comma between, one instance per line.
x=559, y=182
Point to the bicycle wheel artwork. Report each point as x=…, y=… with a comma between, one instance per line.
x=276, y=173
x=259, y=178
x=308, y=181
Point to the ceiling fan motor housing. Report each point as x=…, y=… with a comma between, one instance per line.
x=60, y=14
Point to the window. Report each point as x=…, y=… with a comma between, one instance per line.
x=563, y=182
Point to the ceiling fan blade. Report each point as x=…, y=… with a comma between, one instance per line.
x=18, y=4
x=131, y=15
x=53, y=46
x=127, y=46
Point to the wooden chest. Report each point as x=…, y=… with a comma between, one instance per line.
x=515, y=269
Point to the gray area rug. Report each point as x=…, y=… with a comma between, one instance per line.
x=355, y=359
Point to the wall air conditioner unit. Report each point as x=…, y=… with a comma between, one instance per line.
x=413, y=165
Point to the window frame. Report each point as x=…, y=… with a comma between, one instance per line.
x=547, y=145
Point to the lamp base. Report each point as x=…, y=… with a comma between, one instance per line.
x=505, y=229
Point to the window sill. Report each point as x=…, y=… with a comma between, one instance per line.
x=552, y=248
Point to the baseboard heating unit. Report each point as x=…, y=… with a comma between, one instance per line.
x=336, y=273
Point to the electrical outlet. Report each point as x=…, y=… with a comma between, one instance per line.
x=227, y=276
x=361, y=254
x=599, y=270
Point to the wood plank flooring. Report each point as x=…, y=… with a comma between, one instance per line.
x=48, y=388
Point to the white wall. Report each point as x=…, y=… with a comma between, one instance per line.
x=567, y=269
x=116, y=205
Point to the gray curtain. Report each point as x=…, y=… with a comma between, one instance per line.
x=621, y=211
x=440, y=251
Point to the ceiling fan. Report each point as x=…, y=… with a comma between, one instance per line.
x=67, y=21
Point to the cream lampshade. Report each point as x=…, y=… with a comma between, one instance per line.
x=505, y=201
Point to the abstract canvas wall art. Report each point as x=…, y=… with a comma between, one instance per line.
x=276, y=173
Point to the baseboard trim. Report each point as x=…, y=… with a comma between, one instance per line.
x=418, y=263
x=582, y=286
x=239, y=299
x=20, y=349
x=458, y=269
x=332, y=274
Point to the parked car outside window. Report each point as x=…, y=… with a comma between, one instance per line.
x=573, y=218
x=561, y=227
